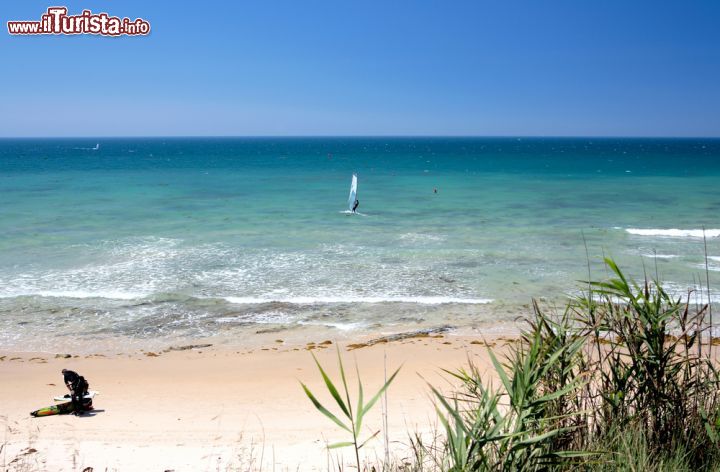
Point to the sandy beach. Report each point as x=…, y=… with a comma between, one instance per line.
x=205, y=408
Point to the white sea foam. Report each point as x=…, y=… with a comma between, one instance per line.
x=129, y=269
x=675, y=233
x=699, y=292
x=114, y=295
x=350, y=326
x=416, y=238
x=712, y=267
x=660, y=256
x=357, y=299
x=271, y=317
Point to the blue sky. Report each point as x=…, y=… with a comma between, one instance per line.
x=415, y=67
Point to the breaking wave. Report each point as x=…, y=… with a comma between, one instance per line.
x=675, y=233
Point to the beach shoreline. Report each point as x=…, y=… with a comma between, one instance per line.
x=211, y=408
x=490, y=321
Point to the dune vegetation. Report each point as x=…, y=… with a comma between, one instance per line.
x=623, y=379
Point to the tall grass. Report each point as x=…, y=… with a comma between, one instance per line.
x=525, y=423
x=618, y=380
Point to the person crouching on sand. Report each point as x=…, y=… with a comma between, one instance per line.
x=78, y=387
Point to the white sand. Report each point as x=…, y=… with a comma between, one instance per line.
x=217, y=410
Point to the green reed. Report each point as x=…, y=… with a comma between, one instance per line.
x=621, y=366
x=353, y=421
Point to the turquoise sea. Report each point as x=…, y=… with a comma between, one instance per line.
x=141, y=242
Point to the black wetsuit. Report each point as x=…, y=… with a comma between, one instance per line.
x=78, y=387
x=357, y=204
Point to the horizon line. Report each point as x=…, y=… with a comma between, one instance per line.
x=361, y=136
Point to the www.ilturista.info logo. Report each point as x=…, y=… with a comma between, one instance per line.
x=57, y=21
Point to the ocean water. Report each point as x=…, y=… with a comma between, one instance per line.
x=152, y=242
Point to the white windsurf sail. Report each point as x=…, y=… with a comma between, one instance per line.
x=353, y=192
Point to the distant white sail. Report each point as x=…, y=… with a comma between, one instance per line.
x=353, y=192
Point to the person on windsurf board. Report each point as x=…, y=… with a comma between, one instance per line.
x=352, y=198
x=76, y=402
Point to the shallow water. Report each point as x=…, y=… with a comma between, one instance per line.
x=153, y=241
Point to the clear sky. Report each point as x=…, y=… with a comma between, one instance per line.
x=367, y=67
